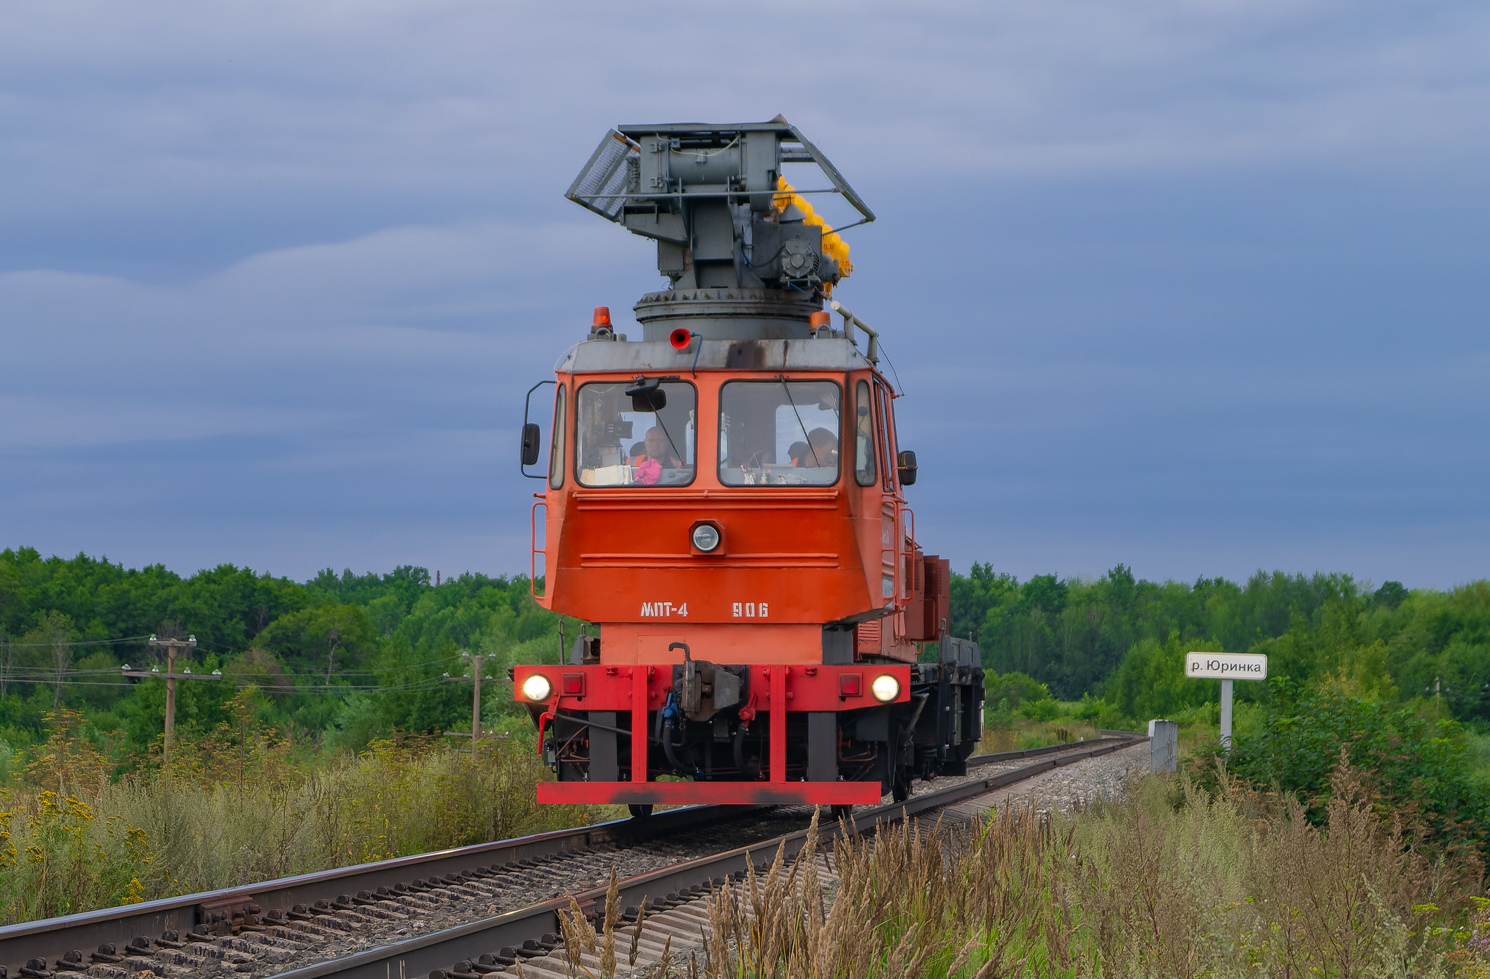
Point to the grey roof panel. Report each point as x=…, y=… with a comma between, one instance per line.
x=762, y=355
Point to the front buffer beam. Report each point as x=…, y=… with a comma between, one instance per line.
x=712, y=793
x=579, y=693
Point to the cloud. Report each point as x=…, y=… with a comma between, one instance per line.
x=1200, y=280
x=155, y=103
x=406, y=319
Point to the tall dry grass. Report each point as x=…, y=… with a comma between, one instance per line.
x=75, y=844
x=1174, y=883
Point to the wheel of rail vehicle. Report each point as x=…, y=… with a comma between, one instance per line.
x=843, y=812
x=640, y=810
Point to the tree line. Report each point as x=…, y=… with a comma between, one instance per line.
x=1123, y=639
x=343, y=658
x=338, y=659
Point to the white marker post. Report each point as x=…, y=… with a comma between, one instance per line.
x=1226, y=667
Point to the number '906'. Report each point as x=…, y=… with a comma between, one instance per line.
x=751, y=610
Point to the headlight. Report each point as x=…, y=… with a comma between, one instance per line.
x=537, y=687
x=706, y=537
x=885, y=688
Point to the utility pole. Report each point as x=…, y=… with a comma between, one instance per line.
x=477, y=661
x=171, y=676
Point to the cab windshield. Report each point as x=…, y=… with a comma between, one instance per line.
x=779, y=433
x=617, y=445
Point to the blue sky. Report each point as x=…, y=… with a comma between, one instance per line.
x=1197, y=287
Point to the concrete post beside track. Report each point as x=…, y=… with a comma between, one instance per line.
x=1226, y=715
x=1164, y=746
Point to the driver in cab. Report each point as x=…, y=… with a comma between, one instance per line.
x=821, y=450
x=656, y=455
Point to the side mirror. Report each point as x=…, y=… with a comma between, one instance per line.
x=532, y=443
x=905, y=465
x=532, y=438
x=647, y=395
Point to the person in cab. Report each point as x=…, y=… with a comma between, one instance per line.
x=821, y=450
x=656, y=455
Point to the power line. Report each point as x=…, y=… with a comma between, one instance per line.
x=376, y=671
x=241, y=683
x=80, y=642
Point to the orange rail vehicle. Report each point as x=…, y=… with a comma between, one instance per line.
x=725, y=500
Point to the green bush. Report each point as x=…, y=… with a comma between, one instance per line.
x=1042, y=709
x=1414, y=768
x=1016, y=688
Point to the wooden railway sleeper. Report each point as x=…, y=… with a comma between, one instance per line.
x=255, y=941
x=176, y=957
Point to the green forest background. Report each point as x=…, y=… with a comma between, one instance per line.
x=341, y=660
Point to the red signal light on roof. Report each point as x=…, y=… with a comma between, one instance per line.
x=680, y=338
x=818, y=320
x=602, y=317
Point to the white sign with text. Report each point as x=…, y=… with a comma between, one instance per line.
x=1226, y=666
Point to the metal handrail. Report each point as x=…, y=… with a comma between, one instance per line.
x=873, y=355
x=909, y=537
x=533, y=552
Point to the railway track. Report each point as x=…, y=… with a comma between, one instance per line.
x=434, y=912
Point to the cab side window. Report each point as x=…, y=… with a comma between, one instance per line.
x=887, y=449
x=556, y=456
x=865, y=470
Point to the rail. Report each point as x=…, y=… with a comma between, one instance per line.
x=222, y=913
x=437, y=954
x=52, y=938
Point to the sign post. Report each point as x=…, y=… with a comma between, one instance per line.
x=1226, y=667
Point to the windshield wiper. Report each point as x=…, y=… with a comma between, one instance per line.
x=805, y=437
x=657, y=414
